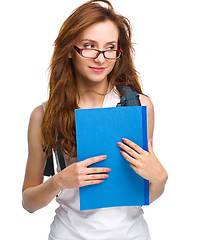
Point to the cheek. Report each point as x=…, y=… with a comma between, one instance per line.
x=111, y=65
x=78, y=62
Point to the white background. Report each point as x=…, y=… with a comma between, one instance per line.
x=168, y=56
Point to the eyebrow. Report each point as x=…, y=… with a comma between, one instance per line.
x=90, y=40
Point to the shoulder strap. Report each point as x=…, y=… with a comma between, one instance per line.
x=49, y=168
x=130, y=97
x=60, y=155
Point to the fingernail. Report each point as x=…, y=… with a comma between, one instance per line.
x=124, y=139
x=119, y=144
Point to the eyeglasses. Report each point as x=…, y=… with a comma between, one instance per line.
x=94, y=53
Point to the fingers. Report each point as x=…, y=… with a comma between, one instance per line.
x=93, y=175
x=97, y=170
x=96, y=176
x=94, y=179
x=133, y=145
x=130, y=159
x=91, y=182
x=92, y=160
x=128, y=150
x=97, y=173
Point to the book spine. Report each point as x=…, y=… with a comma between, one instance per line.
x=145, y=147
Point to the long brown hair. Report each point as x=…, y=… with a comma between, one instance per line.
x=59, y=118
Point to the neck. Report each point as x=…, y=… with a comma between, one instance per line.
x=92, y=95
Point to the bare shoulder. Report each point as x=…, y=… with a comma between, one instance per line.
x=37, y=115
x=35, y=122
x=146, y=101
x=34, y=134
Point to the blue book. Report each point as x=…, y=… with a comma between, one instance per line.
x=97, y=132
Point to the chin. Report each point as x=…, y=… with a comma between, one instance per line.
x=97, y=79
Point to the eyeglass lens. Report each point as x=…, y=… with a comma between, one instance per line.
x=91, y=53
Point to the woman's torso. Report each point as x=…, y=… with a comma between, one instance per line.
x=124, y=223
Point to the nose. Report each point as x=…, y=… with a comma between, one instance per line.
x=100, y=58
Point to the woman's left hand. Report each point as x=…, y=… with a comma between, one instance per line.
x=143, y=163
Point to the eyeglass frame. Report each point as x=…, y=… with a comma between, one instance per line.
x=79, y=50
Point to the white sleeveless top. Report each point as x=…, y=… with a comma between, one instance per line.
x=117, y=223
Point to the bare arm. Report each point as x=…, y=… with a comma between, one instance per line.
x=36, y=193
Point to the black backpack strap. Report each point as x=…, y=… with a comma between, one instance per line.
x=130, y=97
x=49, y=168
x=60, y=155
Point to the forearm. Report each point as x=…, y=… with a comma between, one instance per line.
x=36, y=197
x=156, y=189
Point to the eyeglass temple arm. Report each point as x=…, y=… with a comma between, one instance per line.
x=120, y=48
x=77, y=49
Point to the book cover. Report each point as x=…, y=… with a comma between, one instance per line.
x=97, y=132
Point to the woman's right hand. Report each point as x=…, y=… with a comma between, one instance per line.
x=78, y=174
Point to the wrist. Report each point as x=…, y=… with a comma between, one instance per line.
x=56, y=183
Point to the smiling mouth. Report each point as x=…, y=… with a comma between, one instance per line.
x=97, y=69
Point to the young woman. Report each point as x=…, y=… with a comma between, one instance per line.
x=91, y=60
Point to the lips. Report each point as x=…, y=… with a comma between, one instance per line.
x=97, y=69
